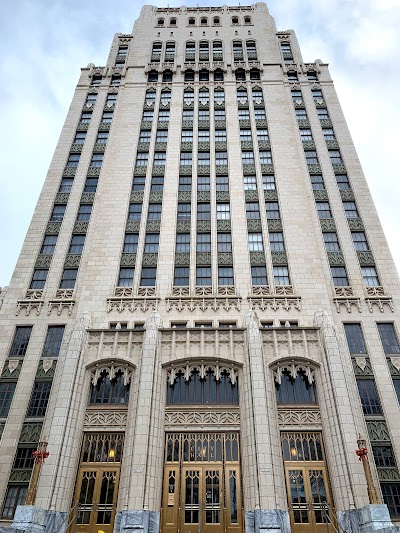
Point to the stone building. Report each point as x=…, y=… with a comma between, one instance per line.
x=203, y=320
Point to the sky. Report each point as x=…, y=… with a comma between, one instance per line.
x=44, y=44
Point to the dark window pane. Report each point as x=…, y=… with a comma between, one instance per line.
x=6, y=396
x=355, y=339
x=53, y=341
x=389, y=338
x=369, y=397
x=39, y=398
x=20, y=341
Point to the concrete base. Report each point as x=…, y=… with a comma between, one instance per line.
x=267, y=521
x=369, y=519
x=31, y=519
x=137, y=522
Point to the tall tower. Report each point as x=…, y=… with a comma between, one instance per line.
x=202, y=326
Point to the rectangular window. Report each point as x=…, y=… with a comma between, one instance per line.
x=184, y=211
x=86, y=118
x=163, y=116
x=203, y=158
x=355, y=338
x=281, y=275
x=186, y=158
x=220, y=135
x=276, y=242
x=57, y=214
x=339, y=277
x=311, y=157
x=259, y=114
x=91, y=184
x=383, y=456
x=107, y=117
x=102, y=137
x=204, y=136
x=370, y=402
x=203, y=276
x=245, y=135
x=157, y=183
x=80, y=137
x=370, y=276
x=182, y=242
x=331, y=241
x=335, y=157
x=203, y=324
x=20, y=342
x=389, y=338
x=39, y=399
x=203, y=243
x=322, y=113
x=317, y=182
x=259, y=275
x=223, y=212
x=203, y=211
x=73, y=160
x=148, y=277
x=53, y=341
x=306, y=135
x=219, y=114
x=111, y=98
x=343, y=182
x=317, y=94
x=252, y=210
x=91, y=98
x=204, y=114
x=68, y=278
x=224, y=242
x=227, y=325
x=39, y=278
x=181, y=277
x=185, y=183
x=66, y=185
x=324, y=210
x=301, y=114
x=222, y=183
x=84, y=212
x=187, y=114
x=49, y=243
x=154, y=212
x=329, y=134
x=221, y=158
x=272, y=210
x=97, y=160
x=125, y=278
x=269, y=182
x=247, y=158
x=225, y=276
x=135, y=211
x=6, y=396
x=350, y=209
x=203, y=183
x=265, y=157
x=151, y=242
x=16, y=495
x=159, y=159
x=249, y=183
x=24, y=458
x=144, y=136
x=255, y=241
x=130, y=243
x=162, y=136
x=138, y=183
x=76, y=245
x=142, y=159
x=262, y=135
x=360, y=241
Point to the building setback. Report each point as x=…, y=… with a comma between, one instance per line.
x=203, y=321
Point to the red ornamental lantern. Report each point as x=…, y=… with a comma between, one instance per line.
x=362, y=454
x=40, y=456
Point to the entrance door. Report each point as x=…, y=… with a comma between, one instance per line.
x=307, y=483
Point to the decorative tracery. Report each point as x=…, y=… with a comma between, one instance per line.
x=202, y=368
x=293, y=368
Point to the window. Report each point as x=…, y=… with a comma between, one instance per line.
x=181, y=277
x=317, y=182
x=91, y=98
x=189, y=75
x=148, y=277
x=16, y=495
x=331, y=241
x=383, y=456
x=202, y=391
x=84, y=212
x=159, y=159
x=204, y=75
x=245, y=136
x=250, y=45
x=324, y=210
x=343, y=181
x=157, y=183
x=255, y=242
x=130, y=243
x=77, y=242
x=360, y=241
x=221, y=158
x=151, y=242
x=86, y=117
x=154, y=212
x=169, y=51
x=241, y=96
x=142, y=159
x=262, y=135
x=222, y=183
x=203, y=158
x=203, y=276
x=335, y=157
x=244, y=114
x=135, y=211
x=24, y=458
x=227, y=325
x=53, y=341
x=370, y=276
x=249, y=183
x=235, y=20
x=91, y=185
x=350, y=209
x=265, y=157
x=102, y=137
x=322, y=113
x=80, y=137
x=187, y=136
x=66, y=185
x=107, y=116
x=192, y=22
x=296, y=95
x=252, y=210
x=296, y=390
x=118, y=325
x=203, y=243
x=317, y=94
x=39, y=399
x=312, y=75
x=125, y=278
x=111, y=98
x=49, y=243
x=161, y=136
x=156, y=52
x=182, y=242
x=240, y=74
x=68, y=278
x=339, y=277
x=301, y=114
x=255, y=74
x=216, y=21
x=116, y=80
x=247, y=158
x=223, y=212
x=276, y=242
x=328, y=134
x=167, y=76
x=6, y=396
x=267, y=324
x=97, y=160
x=39, y=278
x=306, y=135
x=73, y=160
x=109, y=391
x=268, y=182
x=219, y=114
x=355, y=339
x=96, y=80
x=285, y=47
x=163, y=116
x=259, y=275
x=186, y=158
x=185, y=183
x=224, y=242
x=203, y=211
x=281, y=275
x=225, y=276
x=160, y=22
x=292, y=76
x=219, y=95
x=138, y=183
x=204, y=135
x=184, y=211
x=259, y=114
x=369, y=397
x=311, y=157
x=220, y=136
x=389, y=338
x=272, y=210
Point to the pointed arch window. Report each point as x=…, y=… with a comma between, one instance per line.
x=109, y=390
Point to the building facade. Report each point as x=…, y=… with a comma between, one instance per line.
x=203, y=321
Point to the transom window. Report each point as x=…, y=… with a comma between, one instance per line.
x=295, y=390
x=109, y=391
x=203, y=391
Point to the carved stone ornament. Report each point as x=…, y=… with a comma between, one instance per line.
x=47, y=364
x=380, y=303
x=212, y=303
x=293, y=368
x=29, y=305
x=106, y=419
x=309, y=418
x=13, y=365
x=395, y=362
x=348, y=303
x=343, y=291
x=260, y=290
x=202, y=418
x=60, y=306
x=361, y=362
x=275, y=304
x=187, y=369
x=132, y=304
x=111, y=368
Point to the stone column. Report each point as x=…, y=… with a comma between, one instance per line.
x=138, y=514
x=267, y=514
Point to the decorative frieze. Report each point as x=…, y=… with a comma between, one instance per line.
x=46, y=369
x=336, y=258
x=270, y=194
x=61, y=198
x=245, y=123
x=260, y=290
x=43, y=261
x=60, y=305
x=182, y=258
x=327, y=224
x=338, y=168
x=330, y=144
x=53, y=228
x=132, y=304
x=20, y=475
x=210, y=303
x=158, y=170
x=378, y=431
x=30, y=433
x=219, y=124
x=249, y=169
x=202, y=368
x=314, y=168
x=11, y=370
x=362, y=366
x=275, y=303
x=203, y=196
x=128, y=259
x=344, y=291
x=251, y=195
x=225, y=258
x=143, y=147
x=347, y=194
x=153, y=226
x=203, y=225
x=93, y=172
x=257, y=258
x=82, y=126
x=88, y=197
x=267, y=169
x=104, y=126
x=221, y=146
x=247, y=145
x=321, y=194
x=199, y=419
x=221, y=169
x=304, y=418
x=203, y=258
x=305, y=123
x=149, y=259
x=146, y=125
x=72, y=260
x=381, y=303
x=293, y=367
x=264, y=145
x=388, y=474
x=326, y=123
x=279, y=258
x=348, y=303
x=185, y=170
x=132, y=225
x=96, y=420
x=155, y=196
x=187, y=124
x=308, y=145
x=274, y=224
x=81, y=226
x=365, y=258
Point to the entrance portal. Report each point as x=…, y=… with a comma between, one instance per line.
x=202, y=483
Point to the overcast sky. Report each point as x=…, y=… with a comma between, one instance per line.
x=45, y=42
